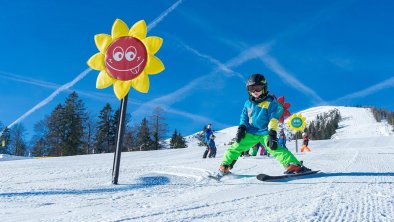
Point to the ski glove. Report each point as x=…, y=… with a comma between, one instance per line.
x=240, y=133
x=272, y=140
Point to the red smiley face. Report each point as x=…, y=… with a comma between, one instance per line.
x=125, y=58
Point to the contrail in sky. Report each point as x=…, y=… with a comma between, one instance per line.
x=31, y=81
x=49, y=85
x=53, y=95
x=274, y=65
x=388, y=83
x=163, y=15
x=84, y=73
x=181, y=93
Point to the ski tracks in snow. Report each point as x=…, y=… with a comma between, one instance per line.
x=370, y=197
x=198, y=174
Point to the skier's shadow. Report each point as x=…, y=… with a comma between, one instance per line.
x=354, y=174
x=143, y=183
x=344, y=174
x=323, y=174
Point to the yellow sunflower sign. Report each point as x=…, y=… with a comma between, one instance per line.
x=126, y=58
x=297, y=122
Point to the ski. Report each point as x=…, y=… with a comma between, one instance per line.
x=218, y=176
x=215, y=177
x=265, y=177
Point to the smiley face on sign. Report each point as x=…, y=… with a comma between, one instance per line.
x=126, y=58
x=297, y=122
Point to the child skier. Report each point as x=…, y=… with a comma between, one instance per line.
x=263, y=151
x=207, y=135
x=256, y=148
x=259, y=123
x=282, y=139
x=212, y=147
x=305, y=147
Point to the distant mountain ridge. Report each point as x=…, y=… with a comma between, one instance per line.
x=357, y=122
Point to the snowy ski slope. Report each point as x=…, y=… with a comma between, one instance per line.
x=357, y=183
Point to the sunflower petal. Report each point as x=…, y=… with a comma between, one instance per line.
x=138, y=30
x=154, y=65
x=119, y=29
x=152, y=44
x=102, y=42
x=104, y=80
x=97, y=61
x=121, y=88
x=141, y=83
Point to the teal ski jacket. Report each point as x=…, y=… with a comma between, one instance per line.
x=260, y=117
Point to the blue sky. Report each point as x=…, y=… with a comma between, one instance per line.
x=311, y=52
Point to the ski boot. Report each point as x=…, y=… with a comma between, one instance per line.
x=296, y=169
x=223, y=171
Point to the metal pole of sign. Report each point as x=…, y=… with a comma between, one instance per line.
x=296, y=142
x=119, y=140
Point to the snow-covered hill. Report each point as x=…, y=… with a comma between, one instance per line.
x=356, y=122
x=357, y=184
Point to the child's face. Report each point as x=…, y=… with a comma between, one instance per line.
x=255, y=90
x=256, y=94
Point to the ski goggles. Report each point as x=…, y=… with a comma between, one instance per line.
x=255, y=88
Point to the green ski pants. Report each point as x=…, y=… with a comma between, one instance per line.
x=284, y=156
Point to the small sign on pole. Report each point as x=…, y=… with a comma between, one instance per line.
x=297, y=123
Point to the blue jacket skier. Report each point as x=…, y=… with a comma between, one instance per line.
x=212, y=147
x=207, y=135
x=282, y=138
x=259, y=123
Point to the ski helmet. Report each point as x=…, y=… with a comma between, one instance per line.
x=258, y=80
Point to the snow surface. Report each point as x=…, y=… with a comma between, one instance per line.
x=357, y=184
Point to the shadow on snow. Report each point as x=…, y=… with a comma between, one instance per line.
x=339, y=174
x=144, y=182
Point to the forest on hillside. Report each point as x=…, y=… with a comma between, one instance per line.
x=71, y=130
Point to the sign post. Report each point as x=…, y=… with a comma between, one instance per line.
x=297, y=123
x=125, y=59
x=119, y=140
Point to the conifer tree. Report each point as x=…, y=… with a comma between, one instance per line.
x=129, y=140
x=144, y=141
x=90, y=126
x=324, y=126
x=173, y=140
x=5, y=141
x=39, y=148
x=39, y=140
x=74, y=114
x=158, y=127
x=177, y=140
x=105, y=138
x=56, y=132
x=18, y=145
